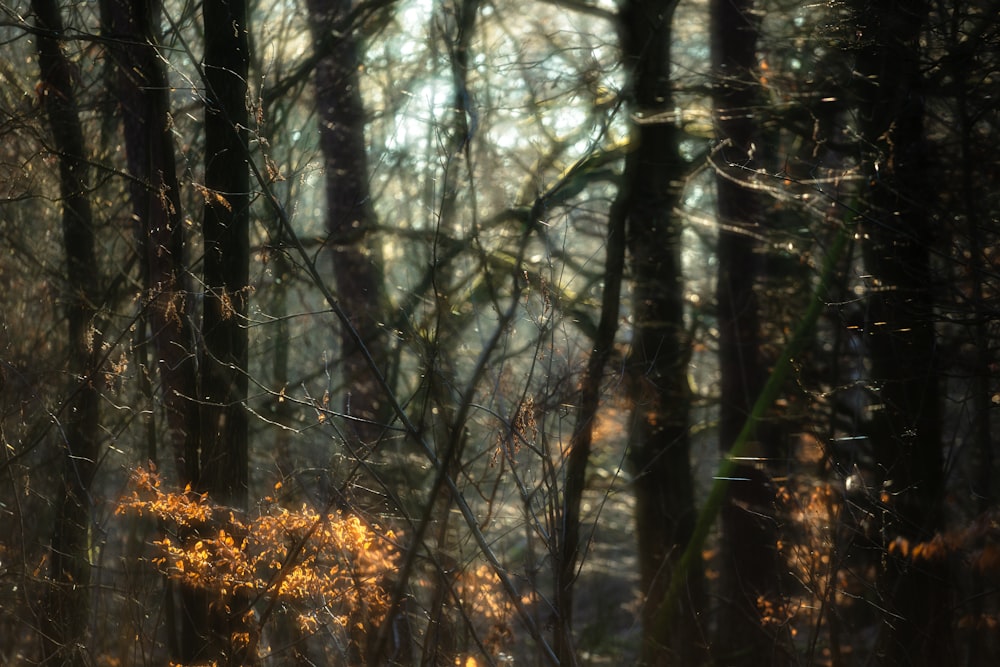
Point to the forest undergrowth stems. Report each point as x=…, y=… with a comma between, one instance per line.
x=727, y=466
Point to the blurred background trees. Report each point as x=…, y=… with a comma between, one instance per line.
x=426, y=332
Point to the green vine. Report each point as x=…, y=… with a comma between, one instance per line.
x=727, y=467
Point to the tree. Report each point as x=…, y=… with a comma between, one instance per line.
x=350, y=215
x=223, y=462
x=493, y=305
x=224, y=457
x=900, y=324
x=748, y=552
x=69, y=598
x=656, y=365
x=142, y=88
x=582, y=439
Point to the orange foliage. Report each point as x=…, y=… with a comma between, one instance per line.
x=321, y=565
x=814, y=510
x=987, y=559
x=815, y=514
x=776, y=613
x=978, y=540
x=485, y=600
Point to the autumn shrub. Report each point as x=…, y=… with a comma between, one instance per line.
x=485, y=601
x=809, y=550
x=327, y=569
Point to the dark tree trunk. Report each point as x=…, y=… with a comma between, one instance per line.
x=356, y=262
x=143, y=90
x=748, y=551
x=224, y=466
x=657, y=362
x=350, y=215
x=898, y=236
x=68, y=614
x=583, y=433
x=459, y=26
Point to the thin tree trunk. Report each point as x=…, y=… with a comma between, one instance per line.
x=143, y=90
x=898, y=235
x=983, y=479
x=68, y=613
x=350, y=216
x=356, y=261
x=456, y=22
x=748, y=549
x=224, y=468
x=224, y=461
x=657, y=362
x=583, y=434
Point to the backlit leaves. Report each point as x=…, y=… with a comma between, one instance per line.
x=330, y=565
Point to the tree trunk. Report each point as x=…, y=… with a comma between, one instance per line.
x=898, y=234
x=224, y=471
x=583, y=433
x=224, y=467
x=748, y=550
x=350, y=219
x=143, y=89
x=657, y=362
x=350, y=216
x=68, y=613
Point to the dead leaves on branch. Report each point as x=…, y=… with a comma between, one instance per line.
x=213, y=197
x=977, y=543
x=327, y=566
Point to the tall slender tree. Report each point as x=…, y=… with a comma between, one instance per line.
x=657, y=361
x=748, y=552
x=350, y=216
x=224, y=471
x=142, y=89
x=67, y=616
x=224, y=455
x=582, y=438
x=142, y=92
x=899, y=234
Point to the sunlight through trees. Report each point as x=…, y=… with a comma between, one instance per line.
x=458, y=332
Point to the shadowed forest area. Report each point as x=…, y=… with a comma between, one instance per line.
x=472, y=332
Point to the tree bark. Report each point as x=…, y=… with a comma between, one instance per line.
x=158, y=219
x=224, y=460
x=583, y=433
x=748, y=549
x=224, y=467
x=350, y=216
x=68, y=613
x=657, y=362
x=898, y=234
x=143, y=98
